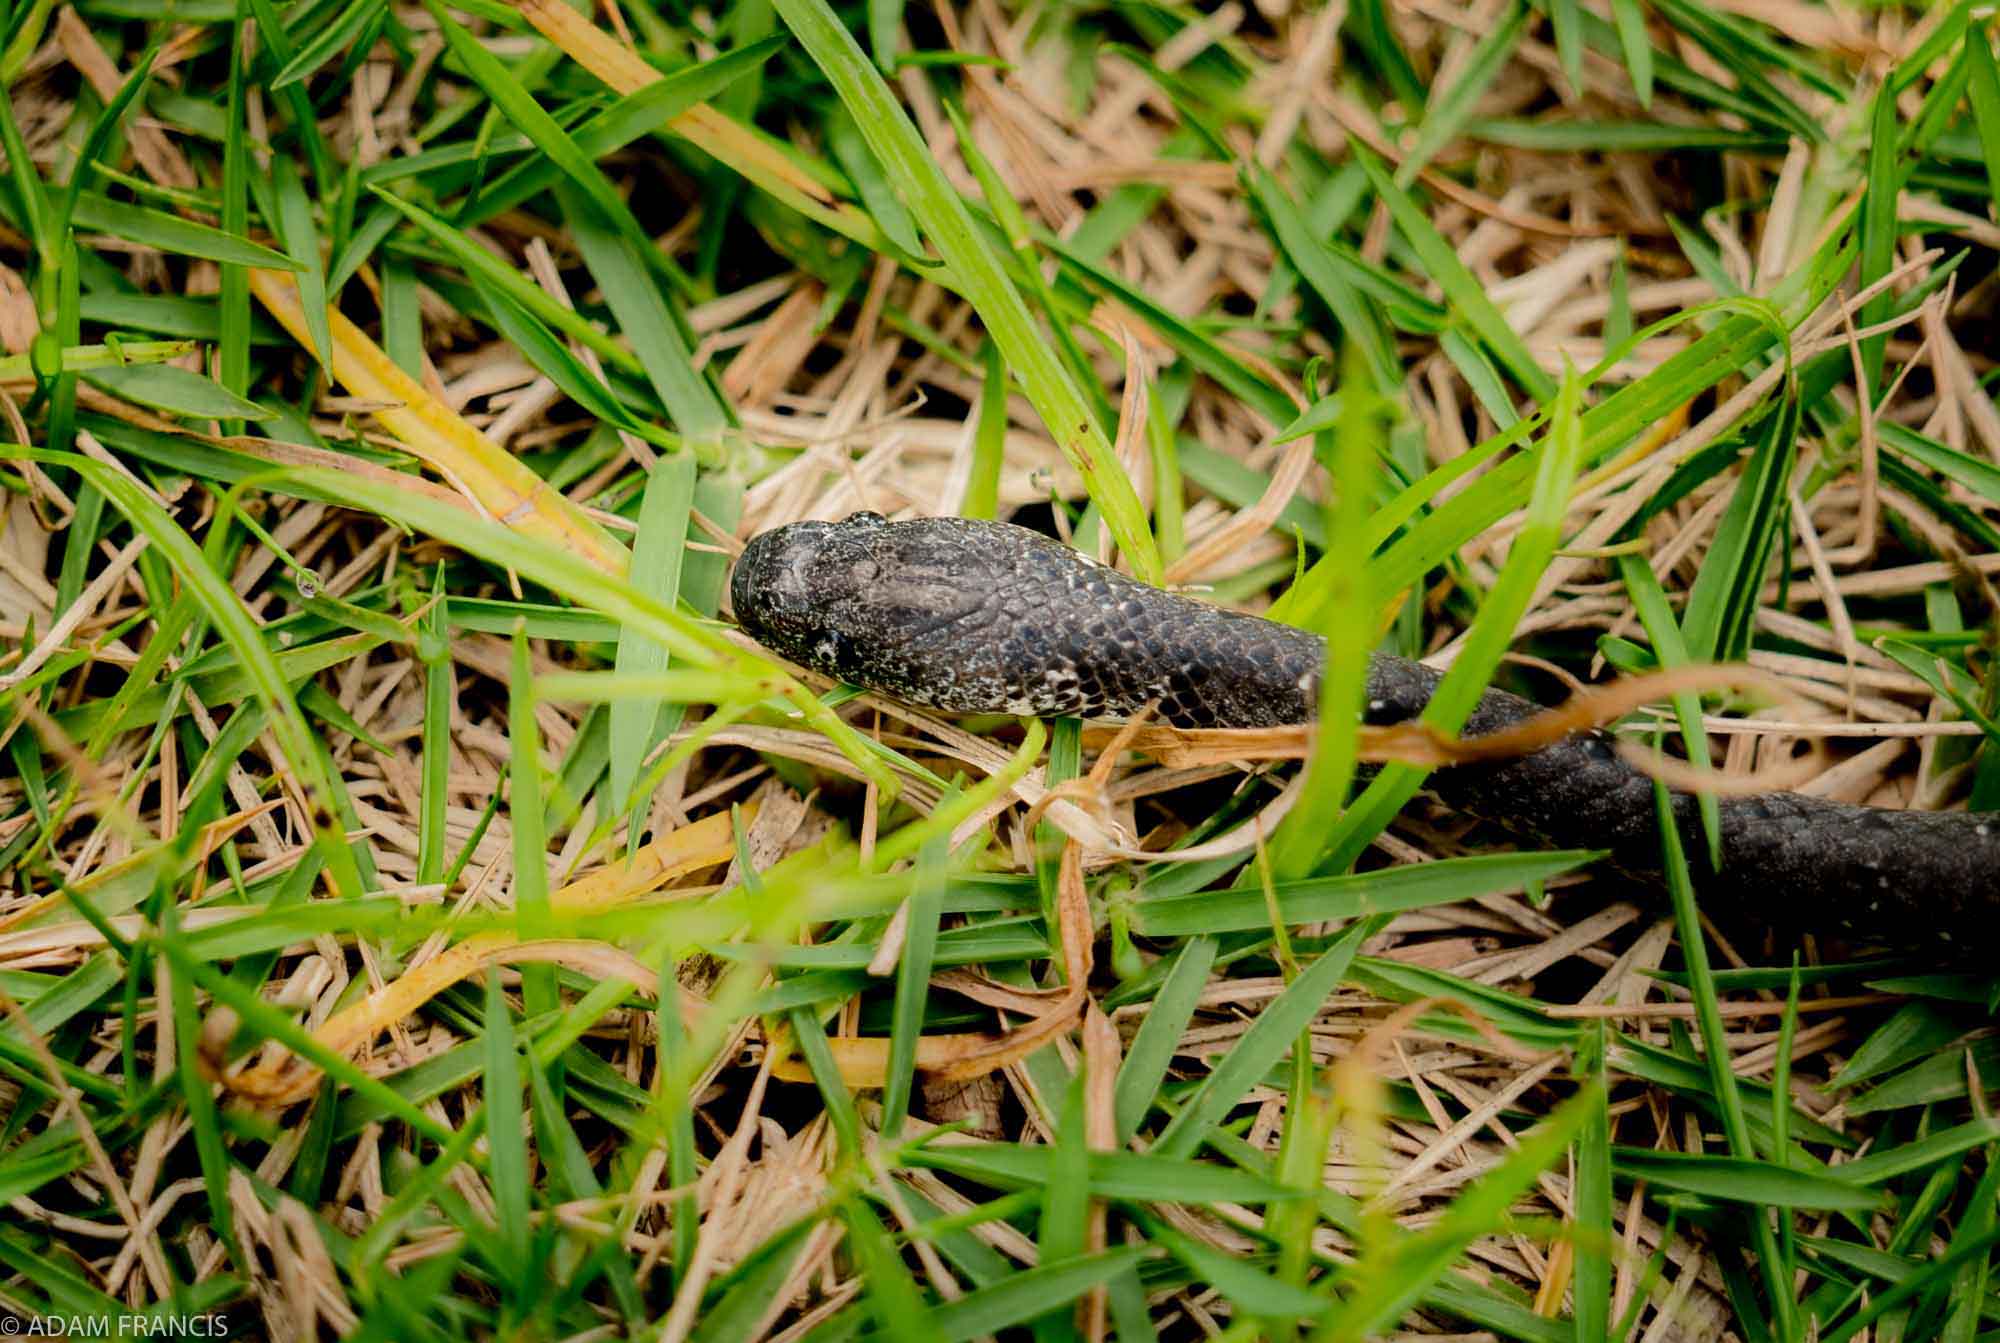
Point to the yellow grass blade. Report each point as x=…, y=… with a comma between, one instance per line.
x=487, y=473
x=213, y=835
x=729, y=141
x=863, y=1061
x=707, y=843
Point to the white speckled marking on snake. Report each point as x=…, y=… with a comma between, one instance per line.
x=986, y=617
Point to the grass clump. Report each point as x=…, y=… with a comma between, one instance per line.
x=421, y=915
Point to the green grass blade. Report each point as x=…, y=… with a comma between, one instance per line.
x=1734, y=1179
x=302, y=244
x=333, y=38
x=642, y=112
x=1636, y=48
x=810, y=1037
x=943, y=216
x=1382, y=1292
x=1321, y=269
x=1649, y=599
x=434, y=650
x=175, y=391
x=1984, y=89
x=1878, y=232
x=657, y=552
x=197, y=1092
x=506, y=1140
x=1486, y=642
x=1591, y=1210
x=1727, y=1095
x=913, y=985
x=1062, y=1232
x=514, y=102
x=1462, y=290
x=1345, y=605
x=483, y=265
x=1266, y=1042
x=1246, y=1286
x=223, y=607
x=525, y=811
x=1152, y=1050
x=1722, y=604
x=1565, y=17
x=1451, y=107
x=151, y=228
x=878, y=196
x=1025, y=1295
x=989, y=443
x=1388, y=890
x=644, y=315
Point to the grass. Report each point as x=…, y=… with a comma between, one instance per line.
x=421, y=916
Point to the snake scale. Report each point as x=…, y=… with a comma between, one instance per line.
x=972, y=616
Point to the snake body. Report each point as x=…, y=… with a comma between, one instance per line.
x=971, y=616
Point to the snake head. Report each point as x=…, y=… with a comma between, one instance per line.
x=847, y=598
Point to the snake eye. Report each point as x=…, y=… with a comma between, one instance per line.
x=832, y=650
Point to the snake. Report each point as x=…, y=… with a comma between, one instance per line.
x=973, y=616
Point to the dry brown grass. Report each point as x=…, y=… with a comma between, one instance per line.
x=841, y=409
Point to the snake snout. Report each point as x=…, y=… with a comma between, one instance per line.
x=772, y=584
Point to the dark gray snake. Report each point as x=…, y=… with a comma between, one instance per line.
x=986, y=617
